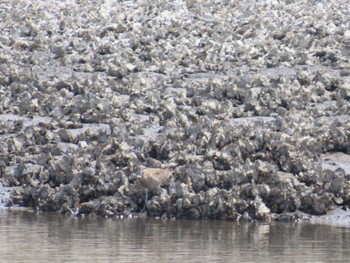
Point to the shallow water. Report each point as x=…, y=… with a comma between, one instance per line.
x=29, y=237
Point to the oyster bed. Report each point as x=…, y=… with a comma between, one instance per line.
x=246, y=102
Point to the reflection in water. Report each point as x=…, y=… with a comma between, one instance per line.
x=28, y=237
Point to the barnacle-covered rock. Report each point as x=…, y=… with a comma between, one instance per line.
x=316, y=204
x=250, y=110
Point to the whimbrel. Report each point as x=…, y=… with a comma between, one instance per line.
x=152, y=178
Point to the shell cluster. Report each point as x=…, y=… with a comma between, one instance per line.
x=246, y=103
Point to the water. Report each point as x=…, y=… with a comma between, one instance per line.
x=29, y=237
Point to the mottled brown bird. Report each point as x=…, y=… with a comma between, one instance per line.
x=152, y=178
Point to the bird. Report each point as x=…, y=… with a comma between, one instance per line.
x=152, y=178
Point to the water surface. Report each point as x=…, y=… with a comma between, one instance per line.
x=45, y=237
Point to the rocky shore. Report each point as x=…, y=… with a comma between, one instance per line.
x=247, y=103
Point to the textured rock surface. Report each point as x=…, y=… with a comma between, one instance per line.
x=246, y=103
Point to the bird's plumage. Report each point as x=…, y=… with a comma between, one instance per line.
x=152, y=178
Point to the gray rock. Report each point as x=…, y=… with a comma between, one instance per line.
x=249, y=130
